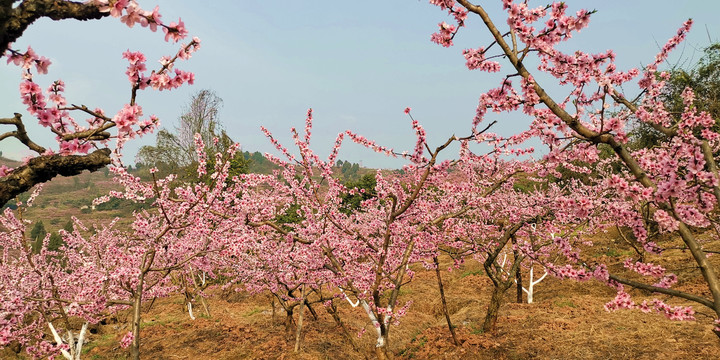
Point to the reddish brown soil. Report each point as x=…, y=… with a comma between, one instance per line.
x=567, y=321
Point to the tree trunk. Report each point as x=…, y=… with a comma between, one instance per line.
x=518, y=273
x=382, y=352
x=298, y=330
x=289, y=321
x=137, y=303
x=205, y=306
x=444, y=303
x=493, y=309
x=381, y=345
x=272, y=302
x=312, y=311
x=519, y=294
x=200, y=288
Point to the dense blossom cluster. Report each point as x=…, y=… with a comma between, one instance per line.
x=671, y=185
x=105, y=269
x=295, y=234
x=623, y=301
x=51, y=107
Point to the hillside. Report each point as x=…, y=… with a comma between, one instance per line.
x=64, y=197
x=8, y=162
x=566, y=321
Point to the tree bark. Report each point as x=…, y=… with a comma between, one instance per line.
x=312, y=311
x=14, y=21
x=137, y=304
x=518, y=275
x=298, y=330
x=289, y=321
x=490, y=323
x=43, y=168
x=382, y=352
x=519, y=293
x=444, y=303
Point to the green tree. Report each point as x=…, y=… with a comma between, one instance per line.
x=55, y=242
x=37, y=235
x=174, y=150
x=354, y=169
x=346, y=167
x=257, y=157
x=703, y=78
x=366, y=183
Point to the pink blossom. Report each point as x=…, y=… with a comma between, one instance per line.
x=443, y=4
x=127, y=340
x=114, y=7
x=666, y=222
x=175, y=32
x=133, y=14
x=476, y=60
x=445, y=35
x=4, y=170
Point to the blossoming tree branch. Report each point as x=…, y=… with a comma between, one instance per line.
x=83, y=132
x=676, y=182
x=294, y=233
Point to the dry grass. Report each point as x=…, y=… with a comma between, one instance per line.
x=567, y=320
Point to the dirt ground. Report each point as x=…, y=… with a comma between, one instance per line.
x=566, y=321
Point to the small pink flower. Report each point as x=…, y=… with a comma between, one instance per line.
x=175, y=32
x=127, y=340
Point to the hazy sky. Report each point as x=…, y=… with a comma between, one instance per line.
x=357, y=64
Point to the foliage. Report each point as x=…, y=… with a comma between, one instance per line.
x=174, y=151
x=37, y=234
x=703, y=78
x=361, y=190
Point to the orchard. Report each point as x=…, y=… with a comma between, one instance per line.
x=525, y=208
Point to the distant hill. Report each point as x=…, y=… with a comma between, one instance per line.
x=8, y=162
x=64, y=197
x=344, y=169
x=258, y=163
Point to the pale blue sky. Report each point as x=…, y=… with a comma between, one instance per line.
x=357, y=64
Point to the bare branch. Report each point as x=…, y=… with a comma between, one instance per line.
x=665, y=291
x=20, y=133
x=14, y=21
x=44, y=168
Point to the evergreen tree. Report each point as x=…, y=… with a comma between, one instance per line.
x=37, y=235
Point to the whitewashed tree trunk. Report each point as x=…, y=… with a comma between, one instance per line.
x=531, y=284
x=189, y=306
x=75, y=347
x=376, y=324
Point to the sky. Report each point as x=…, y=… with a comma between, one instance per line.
x=358, y=64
